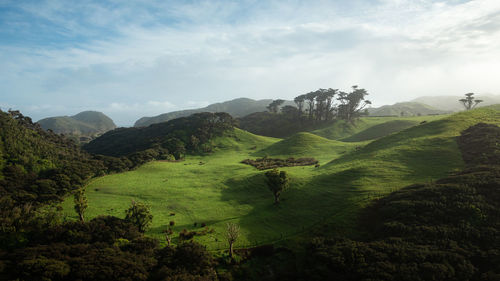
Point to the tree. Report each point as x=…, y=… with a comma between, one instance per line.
x=81, y=204
x=290, y=112
x=352, y=103
x=139, y=214
x=310, y=99
x=232, y=234
x=299, y=101
x=469, y=102
x=277, y=182
x=274, y=105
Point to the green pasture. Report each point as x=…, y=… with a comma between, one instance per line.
x=354, y=169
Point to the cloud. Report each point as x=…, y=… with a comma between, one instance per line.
x=129, y=60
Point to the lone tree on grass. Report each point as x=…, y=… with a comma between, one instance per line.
x=232, y=234
x=469, y=102
x=81, y=204
x=139, y=215
x=277, y=182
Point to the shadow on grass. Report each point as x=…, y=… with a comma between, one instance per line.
x=305, y=206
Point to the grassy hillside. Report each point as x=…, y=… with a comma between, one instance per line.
x=215, y=189
x=342, y=130
x=405, y=109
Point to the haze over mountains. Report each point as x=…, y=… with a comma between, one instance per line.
x=237, y=108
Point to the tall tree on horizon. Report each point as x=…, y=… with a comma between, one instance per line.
x=352, y=103
x=469, y=102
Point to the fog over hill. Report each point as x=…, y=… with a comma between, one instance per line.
x=237, y=108
x=451, y=103
x=406, y=109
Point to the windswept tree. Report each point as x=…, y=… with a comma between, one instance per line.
x=139, y=214
x=310, y=97
x=232, y=234
x=81, y=204
x=277, y=182
x=352, y=103
x=273, y=107
x=469, y=102
x=299, y=101
x=329, y=107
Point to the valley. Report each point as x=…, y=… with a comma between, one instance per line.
x=216, y=188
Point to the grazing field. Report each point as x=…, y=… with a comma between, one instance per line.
x=215, y=189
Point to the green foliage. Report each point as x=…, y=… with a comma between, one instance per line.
x=272, y=163
x=139, y=214
x=158, y=141
x=277, y=182
x=40, y=166
x=81, y=203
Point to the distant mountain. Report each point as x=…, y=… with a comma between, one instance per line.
x=451, y=103
x=85, y=124
x=237, y=108
x=405, y=109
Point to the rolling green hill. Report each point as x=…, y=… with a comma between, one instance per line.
x=405, y=109
x=237, y=108
x=216, y=188
x=86, y=123
x=341, y=130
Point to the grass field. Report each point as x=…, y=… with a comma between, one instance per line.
x=215, y=189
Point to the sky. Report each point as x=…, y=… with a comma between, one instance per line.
x=131, y=59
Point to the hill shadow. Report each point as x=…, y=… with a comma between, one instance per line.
x=305, y=206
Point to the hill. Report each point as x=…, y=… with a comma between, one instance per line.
x=39, y=166
x=277, y=125
x=86, y=124
x=237, y=108
x=216, y=188
x=405, y=109
x=168, y=139
x=369, y=128
x=451, y=103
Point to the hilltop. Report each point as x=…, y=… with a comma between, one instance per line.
x=405, y=109
x=237, y=108
x=83, y=124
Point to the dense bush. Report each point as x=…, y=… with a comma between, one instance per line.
x=272, y=163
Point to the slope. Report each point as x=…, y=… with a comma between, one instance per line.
x=85, y=123
x=405, y=109
x=216, y=188
x=341, y=130
x=306, y=144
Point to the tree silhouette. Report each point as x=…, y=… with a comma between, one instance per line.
x=232, y=234
x=469, y=102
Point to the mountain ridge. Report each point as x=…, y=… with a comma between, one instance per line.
x=238, y=107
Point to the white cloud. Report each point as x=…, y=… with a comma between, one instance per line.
x=398, y=50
